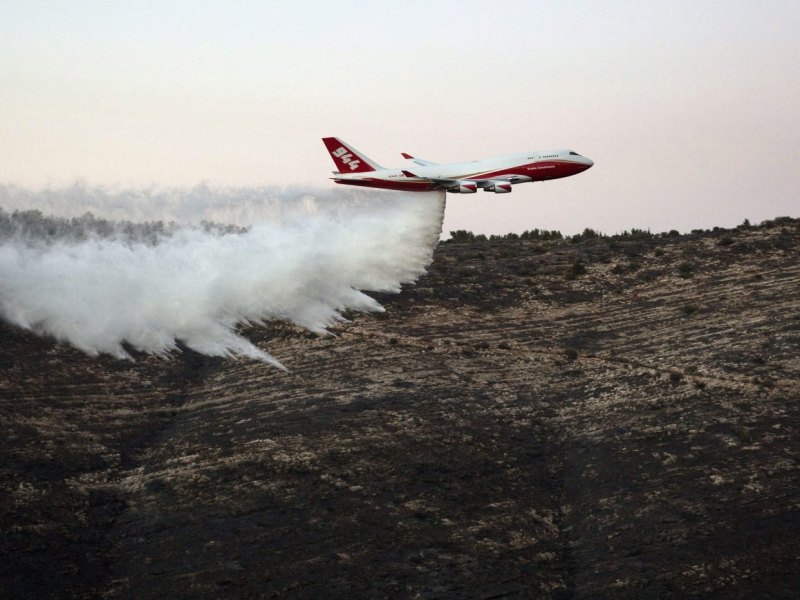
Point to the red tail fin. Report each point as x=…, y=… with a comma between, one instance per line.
x=347, y=159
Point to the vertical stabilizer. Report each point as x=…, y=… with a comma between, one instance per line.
x=347, y=159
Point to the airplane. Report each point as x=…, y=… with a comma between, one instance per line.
x=491, y=175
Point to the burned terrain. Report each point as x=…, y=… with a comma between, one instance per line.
x=598, y=417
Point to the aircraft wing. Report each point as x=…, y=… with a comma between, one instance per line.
x=431, y=179
x=445, y=182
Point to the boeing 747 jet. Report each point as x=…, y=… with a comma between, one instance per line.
x=491, y=175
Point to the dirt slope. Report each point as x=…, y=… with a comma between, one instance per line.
x=602, y=419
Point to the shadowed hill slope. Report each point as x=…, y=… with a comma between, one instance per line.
x=612, y=418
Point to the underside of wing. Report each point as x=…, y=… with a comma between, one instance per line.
x=437, y=180
x=506, y=178
x=480, y=181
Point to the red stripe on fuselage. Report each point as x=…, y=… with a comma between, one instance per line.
x=537, y=171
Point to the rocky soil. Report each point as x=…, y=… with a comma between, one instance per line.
x=614, y=418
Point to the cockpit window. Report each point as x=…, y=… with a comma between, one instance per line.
x=574, y=154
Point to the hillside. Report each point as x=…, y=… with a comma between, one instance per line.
x=589, y=418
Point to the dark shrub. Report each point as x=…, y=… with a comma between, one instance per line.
x=777, y=221
x=461, y=236
x=524, y=268
x=725, y=240
x=589, y=234
x=743, y=434
x=575, y=269
x=633, y=249
x=541, y=234
x=685, y=270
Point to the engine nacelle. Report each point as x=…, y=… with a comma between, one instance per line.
x=498, y=187
x=463, y=187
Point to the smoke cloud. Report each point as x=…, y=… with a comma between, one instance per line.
x=150, y=267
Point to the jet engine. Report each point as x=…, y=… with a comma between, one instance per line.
x=463, y=187
x=498, y=187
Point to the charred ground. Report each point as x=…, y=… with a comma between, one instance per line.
x=593, y=418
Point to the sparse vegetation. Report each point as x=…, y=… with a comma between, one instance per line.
x=33, y=224
x=634, y=234
x=465, y=236
x=471, y=374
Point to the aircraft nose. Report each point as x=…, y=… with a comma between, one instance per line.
x=589, y=162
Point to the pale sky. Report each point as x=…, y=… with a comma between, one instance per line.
x=690, y=109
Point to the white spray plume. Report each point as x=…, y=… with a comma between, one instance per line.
x=298, y=255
